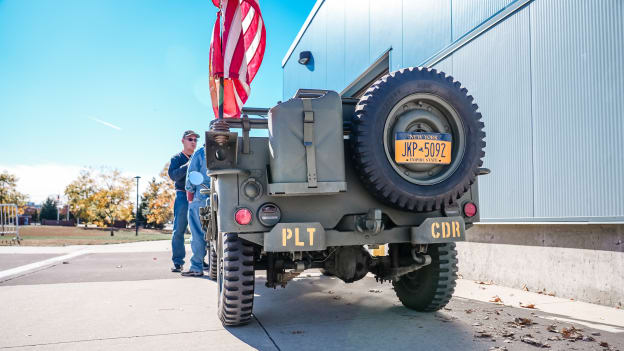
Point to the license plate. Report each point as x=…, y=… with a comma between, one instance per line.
x=415, y=147
x=439, y=230
x=285, y=237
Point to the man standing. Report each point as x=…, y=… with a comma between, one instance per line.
x=197, y=200
x=177, y=172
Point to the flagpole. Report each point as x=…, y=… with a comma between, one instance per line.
x=220, y=94
x=220, y=125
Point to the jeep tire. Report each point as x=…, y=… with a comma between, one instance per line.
x=416, y=100
x=431, y=287
x=212, y=272
x=235, y=278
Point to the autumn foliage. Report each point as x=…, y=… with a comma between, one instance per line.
x=158, y=200
x=101, y=199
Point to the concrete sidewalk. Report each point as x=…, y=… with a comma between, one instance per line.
x=120, y=297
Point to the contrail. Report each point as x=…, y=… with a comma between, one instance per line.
x=105, y=123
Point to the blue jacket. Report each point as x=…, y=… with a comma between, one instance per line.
x=177, y=170
x=198, y=164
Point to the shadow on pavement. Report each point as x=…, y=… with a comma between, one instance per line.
x=315, y=313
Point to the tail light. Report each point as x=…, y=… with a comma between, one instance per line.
x=470, y=209
x=243, y=216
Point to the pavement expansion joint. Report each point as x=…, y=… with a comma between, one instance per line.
x=266, y=332
x=110, y=338
x=27, y=273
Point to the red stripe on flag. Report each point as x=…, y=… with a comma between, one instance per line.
x=235, y=56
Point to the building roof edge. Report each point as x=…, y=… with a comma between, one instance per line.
x=305, y=26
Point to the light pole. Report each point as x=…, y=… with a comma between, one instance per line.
x=136, y=217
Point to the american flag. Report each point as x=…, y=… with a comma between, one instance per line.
x=236, y=52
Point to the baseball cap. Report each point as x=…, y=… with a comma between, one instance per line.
x=189, y=133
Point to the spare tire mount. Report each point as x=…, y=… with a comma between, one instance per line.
x=424, y=112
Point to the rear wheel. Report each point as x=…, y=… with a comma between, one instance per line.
x=431, y=287
x=235, y=275
x=212, y=273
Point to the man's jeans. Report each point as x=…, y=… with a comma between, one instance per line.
x=180, y=222
x=198, y=240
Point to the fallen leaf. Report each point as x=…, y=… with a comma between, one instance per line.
x=524, y=287
x=484, y=283
x=445, y=319
x=483, y=334
x=496, y=299
x=551, y=294
x=532, y=306
x=572, y=333
x=469, y=311
x=532, y=341
x=523, y=321
x=604, y=344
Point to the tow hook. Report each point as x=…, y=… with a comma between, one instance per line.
x=371, y=222
x=420, y=258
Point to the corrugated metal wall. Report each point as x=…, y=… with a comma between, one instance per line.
x=548, y=79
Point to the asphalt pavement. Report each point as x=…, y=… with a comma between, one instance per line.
x=123, y=297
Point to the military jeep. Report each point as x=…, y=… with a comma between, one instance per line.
x=338, y=177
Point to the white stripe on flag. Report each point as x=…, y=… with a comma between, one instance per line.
x=230, y=46
x=248, y=18
x=251, y=51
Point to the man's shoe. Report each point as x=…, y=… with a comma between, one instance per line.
x=177, y=268
x=192, y=274
x=206, y=266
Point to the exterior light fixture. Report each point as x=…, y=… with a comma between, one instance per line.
x=304, y=57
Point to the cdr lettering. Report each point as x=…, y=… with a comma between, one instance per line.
x=445, y=230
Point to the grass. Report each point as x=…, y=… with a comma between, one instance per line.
x=63, y=236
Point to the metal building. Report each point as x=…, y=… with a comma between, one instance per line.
x=548, y=76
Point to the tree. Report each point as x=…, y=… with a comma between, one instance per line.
x=111, y=201
x=34, y=216
x=80, y=194
x=8, y=191
x=140, y=217
x=158, y=200
x=49, y=209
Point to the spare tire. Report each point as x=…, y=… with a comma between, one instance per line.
x=417, y=100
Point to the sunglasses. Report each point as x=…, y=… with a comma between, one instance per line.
x=191, y=139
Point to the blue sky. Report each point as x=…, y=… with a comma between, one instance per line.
x=114, y=82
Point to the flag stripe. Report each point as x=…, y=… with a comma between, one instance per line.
x=236, y=52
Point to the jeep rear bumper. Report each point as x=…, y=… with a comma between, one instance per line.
x=288, y=237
